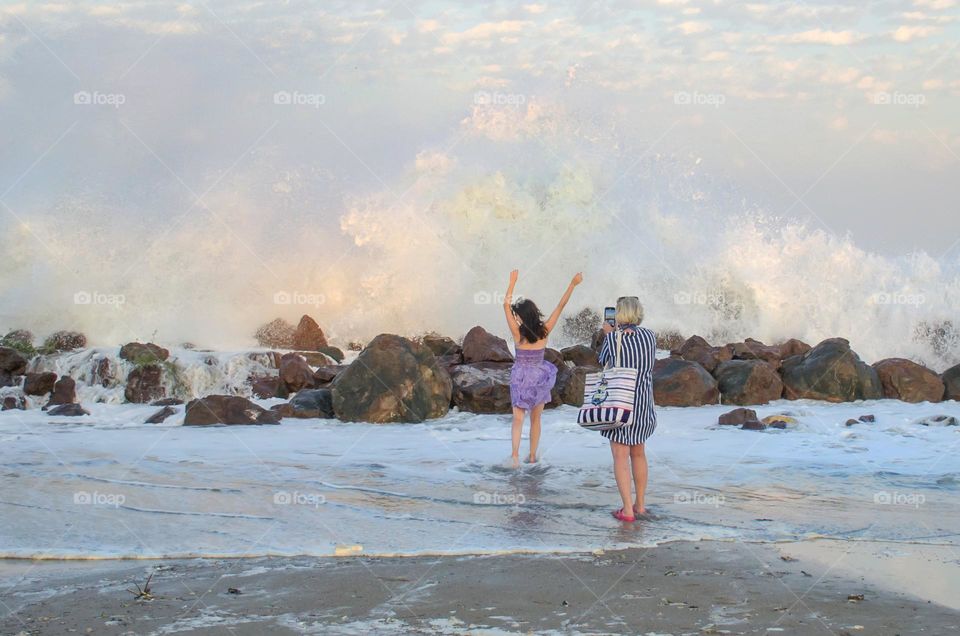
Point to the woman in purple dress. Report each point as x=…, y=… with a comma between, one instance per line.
x=532, y=377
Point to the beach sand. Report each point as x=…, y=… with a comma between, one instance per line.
x=707, y=587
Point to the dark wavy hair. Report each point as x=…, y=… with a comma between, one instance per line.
x=531, y=320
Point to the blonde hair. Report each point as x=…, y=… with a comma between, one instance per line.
x=629, y=311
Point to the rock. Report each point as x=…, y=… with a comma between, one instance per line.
x=596, y=343
x=19, y=339
x=104, y=373
x=392, y=380
x=326, y=374
x=145, y=384
x=867, y=418
x=170, y=401
x=71, y=410
x=333, y=353
x=830, y=371
x=139, y=353
x=266, y=358
x=937, y=420
x=314, y=358
x=65, y=341
x=793, y=347
x=778, y=421
x=906, y=380
x=276, y=334
x=754, y=425
x=852, y=421
x=39, y=383
x=748, y=382
x=442, y=345
x=308, y=335
x=737, y=417
x=751, y=349
x=581, y=356
x=310, y=403
x=698, y=350
x=951, y=380
x=295, y=373
x=13, y=402
x=678, y=382
x=265, y=386
x=64, y=392
x=570, y=386
x=161, y=415
x=448, y=362
x=669, y=339
x=481, y=346
x=226, y=409
x=12, y=364
x=482, y=387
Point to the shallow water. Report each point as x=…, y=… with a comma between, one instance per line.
x=107, y=486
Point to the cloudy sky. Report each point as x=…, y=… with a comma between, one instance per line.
x=264, y=123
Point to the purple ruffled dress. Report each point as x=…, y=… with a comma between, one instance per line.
x=531, y=379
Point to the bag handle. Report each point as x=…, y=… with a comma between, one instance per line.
x=619, y=348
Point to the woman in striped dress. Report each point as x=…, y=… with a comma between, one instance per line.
x=638, y=350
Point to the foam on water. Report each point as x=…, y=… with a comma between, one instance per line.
x=109, y=487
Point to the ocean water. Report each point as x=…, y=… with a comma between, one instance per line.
x=109, y=486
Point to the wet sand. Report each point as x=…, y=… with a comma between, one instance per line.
x=706, y=587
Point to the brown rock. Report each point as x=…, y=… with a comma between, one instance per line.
x=737, y=417
x=951, y=380
x=12, y=365
x=170, y=401
x=64, y=392
x=265, y=386
x=65, y=341
x=754, y=426
x=908, y=381
x=39, y=383
x=571, y=386
x=71, y=410
x=104, y=373
x=751, y=349
x=324, y=375
x=308, y=404
x=161, y=415
x=145, y=384
x=295, y=373
x=226, y=409
x=481, y=346
x=13, y=402
x=698, y=350
x=748, y=382
x=678, y=382
x=276, y=334
x=793, y=347
x=308, y=335
x=143, y=353
x=581, y=356
x=831, y=371
x=315, y=358
x=482, y=387
x=442, y=345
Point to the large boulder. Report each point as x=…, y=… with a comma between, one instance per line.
x=696, y=349
x=276, y=334
x=334, y=353
x=570, y=386
x=226, y=409
x=104, y=372
x=581, y=356
x=13, y=402
x=748, y=382
x=951, y=380
x=265, y=386
x=479, y=345
x=906, y=380
x=324, y=375
x=308, y=335
x=19, y=339
x=70, y=410
x=482, y=387
x=65, y=341
x=12, y=365
x=737, y=417
x=793, y=347
x=295, y=373
x=64, y=392
x=679, y=382
x=310, y=403
x=392, y=380
x=832, y=372
x=442, y=345
x=39, y=383
x=315, y=358
x=145, y=384
x=751, y=349
x=143, y=353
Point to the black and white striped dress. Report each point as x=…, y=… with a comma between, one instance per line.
x=638, y=350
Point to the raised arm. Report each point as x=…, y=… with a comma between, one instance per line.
x=555, y=316
x=508, y=309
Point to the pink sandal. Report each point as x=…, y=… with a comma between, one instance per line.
x=619, y=515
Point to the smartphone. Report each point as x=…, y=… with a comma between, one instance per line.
x=610, y=315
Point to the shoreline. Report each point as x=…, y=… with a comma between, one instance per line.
x=721, y=587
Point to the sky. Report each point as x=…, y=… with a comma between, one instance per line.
x=253, y=130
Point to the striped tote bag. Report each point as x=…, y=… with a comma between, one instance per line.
x=609, y=395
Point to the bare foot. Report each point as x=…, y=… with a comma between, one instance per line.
x=639, y=511
x=531, y=460
x=515, y=460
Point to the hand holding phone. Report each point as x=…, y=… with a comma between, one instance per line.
x=610, y=316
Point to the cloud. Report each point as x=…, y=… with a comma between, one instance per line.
x=486, y=31
x=910, y=33
x=692, y=27
x=819, y=36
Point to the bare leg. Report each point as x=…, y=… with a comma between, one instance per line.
x=535, y=413
x=638, y=458
x=621, y=471
x=518, y=415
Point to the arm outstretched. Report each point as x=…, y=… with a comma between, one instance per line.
x=508, y=309
x=555, y=316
